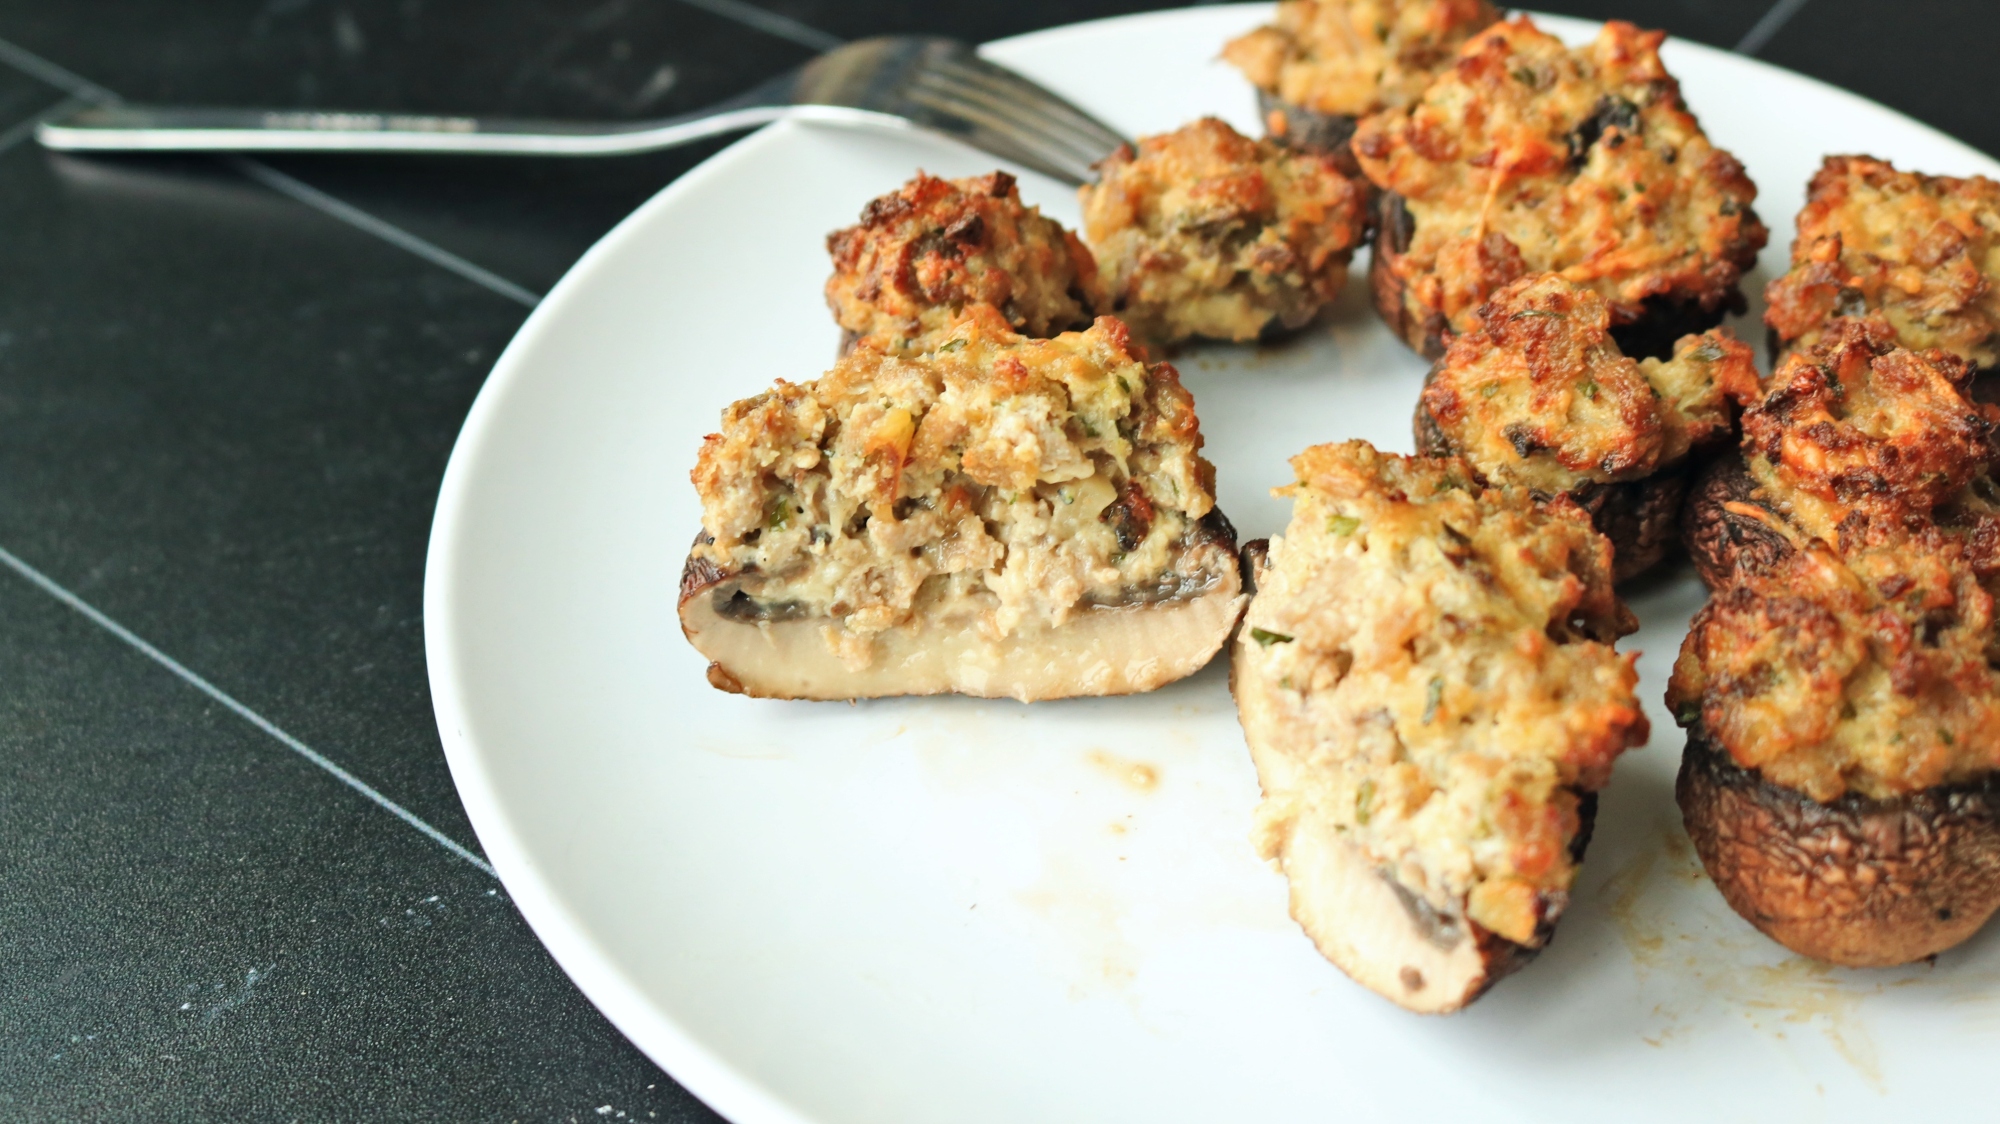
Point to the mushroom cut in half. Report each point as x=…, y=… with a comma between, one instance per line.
x=923, y=254
x=1321, y=65
x=1529, y=157
x=1922, y=252
x=1427, y=681
x=1840, y=688
x=999, y=516
x=1205, y=232
x=1539, y=396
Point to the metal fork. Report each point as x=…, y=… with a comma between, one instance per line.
x=936, y=84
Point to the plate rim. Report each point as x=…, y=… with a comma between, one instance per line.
x=720, y=1084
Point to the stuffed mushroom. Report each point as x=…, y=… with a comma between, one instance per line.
x=1321, y=65
x=998, y=516
x=1428, y=685
x=1205, y=232
x=1529, y=157
x=1539, y=396
x=1840, y=688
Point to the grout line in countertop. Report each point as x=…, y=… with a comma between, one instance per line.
x=387, y=231
x=82, y=89
x=1773, y=21
x=770, y=23
x=95, y=616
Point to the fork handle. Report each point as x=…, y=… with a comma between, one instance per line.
x=140, y=128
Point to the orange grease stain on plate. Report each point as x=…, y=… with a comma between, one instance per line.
x=1135, y=775
x=1794, y=991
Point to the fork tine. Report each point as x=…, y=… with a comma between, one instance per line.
x=1025, y=129
x=1022, y=118
x=1011, y=87
x=1031, y=148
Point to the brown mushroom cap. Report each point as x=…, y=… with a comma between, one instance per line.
x=1861, y=883
x=1718, y=528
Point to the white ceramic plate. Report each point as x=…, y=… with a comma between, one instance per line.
x=952, y=909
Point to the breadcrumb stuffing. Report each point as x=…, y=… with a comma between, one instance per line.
x=1923, y=252
x=1539, y=394
x=1354, y=57
x=1527, y=157
x=995, y=480
x=1864, y=659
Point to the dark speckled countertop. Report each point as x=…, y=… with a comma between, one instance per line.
x=227, y=393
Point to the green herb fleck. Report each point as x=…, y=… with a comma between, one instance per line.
x=1089, y=430
x=1343, y=525
x=1590, y=390
x=1708, y=352
x=1265, y=639
x=1539, y=314
x=1489, y=390
x=1525, y=76
x=950, y=346
x=1688, y=715
x=1433, y=695
x=780, y=517
x=1948, y=739
x=1363, y=797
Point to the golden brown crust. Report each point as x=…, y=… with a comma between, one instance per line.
x=1536, y=393
x=1527, y=157
x=1205, y=232
x=1856, y=882
x=1859, y=656
x=1437, y=682
x=1923, y=252
x=1348, y=58
x=1016, y=481
x=1539, y=396
x=921, y=255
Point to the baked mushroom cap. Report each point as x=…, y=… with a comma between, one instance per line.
x=923, y=254
x=1205, y=232
x=1527, y=157
x=1538, y=395
x=1428, y=688
x=999, y=516
x=1859, y=882
x=1921, y=252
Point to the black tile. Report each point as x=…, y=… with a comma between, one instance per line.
x=225, y=419
x=526, y=219
x=1916, y=56
x=200, y=925
x=1718, y=23
x=611, y=58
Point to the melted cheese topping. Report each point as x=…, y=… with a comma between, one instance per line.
x=1353, y=57
x=1865, y=660
x=921, y=256
x=996, y=481
x=1539, y=395
x=1204, y=232
x=1443, y=658
x=1921, y=251
x=1527, y=157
